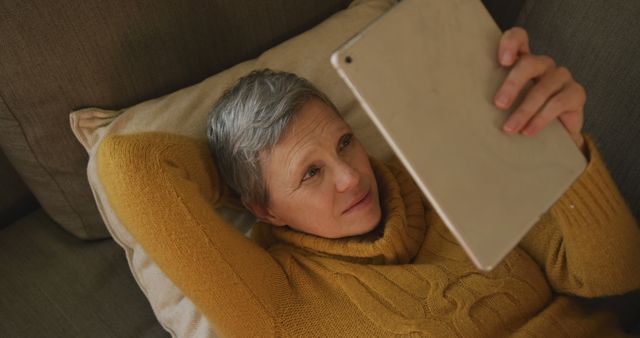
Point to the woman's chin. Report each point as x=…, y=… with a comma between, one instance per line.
x=369, y=222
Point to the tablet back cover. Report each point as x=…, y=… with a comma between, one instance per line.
x=426, y=73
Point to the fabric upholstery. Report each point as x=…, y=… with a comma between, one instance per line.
x=185, y=111
x=15, y=198
x=504, y=12
x=56, y=58
x=598, y=41
x=56, y=285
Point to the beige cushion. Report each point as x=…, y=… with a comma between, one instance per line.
x=185, y=111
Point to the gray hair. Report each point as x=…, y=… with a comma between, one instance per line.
x=250, y=118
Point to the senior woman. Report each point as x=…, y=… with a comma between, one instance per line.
x=348, y=246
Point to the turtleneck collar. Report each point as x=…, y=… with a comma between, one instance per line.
x=396, y=240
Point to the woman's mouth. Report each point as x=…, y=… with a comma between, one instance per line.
x=360, y=203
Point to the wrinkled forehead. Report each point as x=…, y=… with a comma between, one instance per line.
x=315, y=124
x=313, y=117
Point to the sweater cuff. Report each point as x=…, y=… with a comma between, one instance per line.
x=594, y=196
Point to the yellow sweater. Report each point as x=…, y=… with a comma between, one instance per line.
x=408, y=277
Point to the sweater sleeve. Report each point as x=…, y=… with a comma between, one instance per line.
x=588, y=243
x=163, y=188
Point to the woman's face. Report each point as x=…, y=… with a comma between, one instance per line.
x=319, y=178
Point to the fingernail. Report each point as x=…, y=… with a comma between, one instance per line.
x=510, y=126
x=502, y=100
x=507, y=58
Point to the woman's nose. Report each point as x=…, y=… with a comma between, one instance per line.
x=346, y=177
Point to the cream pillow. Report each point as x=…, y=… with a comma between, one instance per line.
x=185, y=112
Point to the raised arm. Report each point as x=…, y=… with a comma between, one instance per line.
x=163, y=188
x=588, y=243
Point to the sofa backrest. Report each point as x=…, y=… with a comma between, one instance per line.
x=57, y=57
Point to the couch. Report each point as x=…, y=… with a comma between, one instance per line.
x=62, y=274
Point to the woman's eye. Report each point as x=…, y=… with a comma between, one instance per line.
x=345, y=141
x=310, y=173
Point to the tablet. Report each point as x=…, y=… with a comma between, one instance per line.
x=426, y=73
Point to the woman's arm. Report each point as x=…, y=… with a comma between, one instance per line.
x=588, y=243
x=163, y=188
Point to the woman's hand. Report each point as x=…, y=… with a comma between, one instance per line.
x=554, y=92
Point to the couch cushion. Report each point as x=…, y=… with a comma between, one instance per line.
x=56, y=58
x=55, y=285
x=598, y=41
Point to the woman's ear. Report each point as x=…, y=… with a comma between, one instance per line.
x=263, y=213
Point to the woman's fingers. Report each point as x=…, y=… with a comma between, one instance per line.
x=529, y=67
x=544, y=89
x=554, y=94
x=567, y=105
x=513, y=43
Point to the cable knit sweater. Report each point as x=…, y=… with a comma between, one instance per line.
x=408, y=277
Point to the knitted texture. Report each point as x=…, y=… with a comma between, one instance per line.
x=408, y=277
